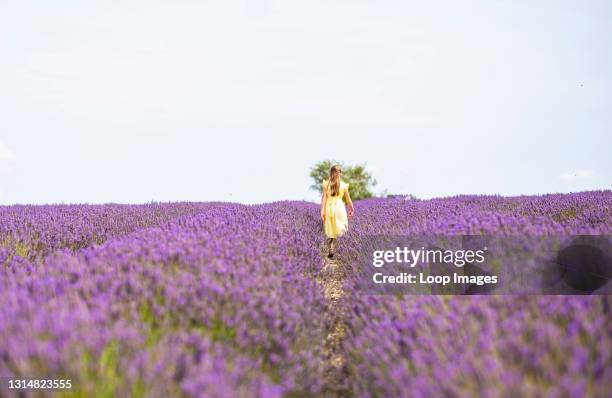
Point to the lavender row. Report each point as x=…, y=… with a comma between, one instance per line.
x=420, y=346
x=34, y=232
x=215, y=304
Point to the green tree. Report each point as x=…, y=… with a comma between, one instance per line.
x=359, y=180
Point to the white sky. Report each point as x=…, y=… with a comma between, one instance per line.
x=132, y=101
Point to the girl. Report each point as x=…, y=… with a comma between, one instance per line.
x=333, y=212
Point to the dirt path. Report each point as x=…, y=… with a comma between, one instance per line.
x=332, y=278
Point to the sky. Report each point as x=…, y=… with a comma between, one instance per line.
x=139, y=101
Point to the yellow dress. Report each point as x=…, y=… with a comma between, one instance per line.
x=336, y=221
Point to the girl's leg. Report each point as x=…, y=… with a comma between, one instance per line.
x=332, y=246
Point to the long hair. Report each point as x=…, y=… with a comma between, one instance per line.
x=334, y=180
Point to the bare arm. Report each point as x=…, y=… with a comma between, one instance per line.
x=323, y=200
x=347, y=196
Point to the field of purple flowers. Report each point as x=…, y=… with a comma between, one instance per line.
x=423, y=346
x=221, y=300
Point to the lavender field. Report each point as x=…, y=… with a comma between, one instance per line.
x=231, y=300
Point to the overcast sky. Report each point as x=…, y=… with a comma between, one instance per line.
x=133, y=101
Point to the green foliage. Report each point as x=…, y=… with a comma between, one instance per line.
x=101, y=377
x=566, y=215
x=108, y=369
x=22, y=249
x=359, y=180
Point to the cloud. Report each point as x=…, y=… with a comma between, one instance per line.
x=577, y=175
x=6, y=155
